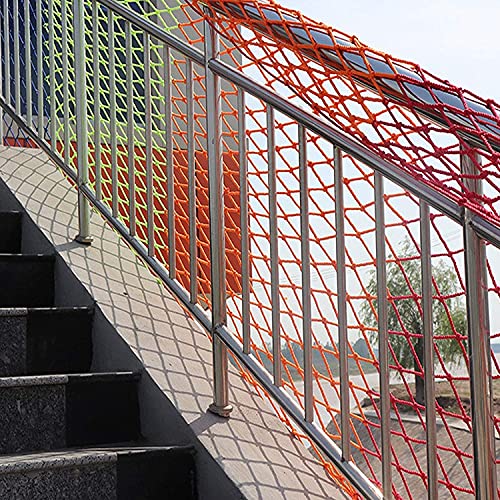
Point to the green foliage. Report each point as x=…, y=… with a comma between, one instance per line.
x=405, y=285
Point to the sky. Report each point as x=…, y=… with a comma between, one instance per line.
x=458, y=40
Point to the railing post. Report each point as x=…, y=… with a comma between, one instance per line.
x=220, y=405
x=81, y=123
x=478, y=341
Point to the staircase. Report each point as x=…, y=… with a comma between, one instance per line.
x=67, y=432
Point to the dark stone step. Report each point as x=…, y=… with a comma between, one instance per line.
x=157, y=474
x=10, y=231
x=100, y=474
x=26, y=280
x=41, y=413
x=42, y=341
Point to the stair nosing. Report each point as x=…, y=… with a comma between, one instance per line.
x=24, y=311
x=64, y=379
x=82, y=456
x=59, y=459
x=28, y=256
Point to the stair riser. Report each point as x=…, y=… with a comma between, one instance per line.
x=11, y=230
x=48, y=417
x=41, y=342
x=26, y=282
x=145, y=476
x=122, y=475
x=91, y=482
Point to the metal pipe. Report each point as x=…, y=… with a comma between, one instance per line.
x=27, y=61
x=170, y=164
x=2, y=83
x=39, y=66
x=97, y=98
x=148, y=132
x=485, y=230
x=112, y=113
x=345, y=405
x=305, y=251
x=430, y=390
x=130, y=129
x=17, y=57
x=383, y=336
x=220, y=405
x=66, y=149
x=244, y=223
x=6, y=47
x=478, y=343
x=52, y=78
x=273, y=247
x=193, y=261
x=81, y=122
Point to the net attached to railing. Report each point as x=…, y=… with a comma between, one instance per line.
x=405, y=115
x=420, y=123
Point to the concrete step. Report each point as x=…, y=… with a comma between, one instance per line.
x=100, y=474
x=48, y=412
x=10, y=232
x=40, y=341
x=27, y=280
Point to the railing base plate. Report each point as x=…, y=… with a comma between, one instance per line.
x=221, y=411
x=84, y=240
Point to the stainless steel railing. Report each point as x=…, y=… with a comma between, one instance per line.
x=476, y=230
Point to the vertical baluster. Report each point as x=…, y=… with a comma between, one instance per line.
x=430, y=391
x=2, y=82
x=273, y=243
x=112, y=113
x=39, y=70
x=17, y=58
x=65, y=83
x=97, y=98
x=220, y=405
x=383, y=336
x=6, y=40
x=170, y=163
x=81, y=122
x=52, y=77
x=478, y=343
x=193, y=261
x=342, y=304
x=149, y=146
x=27, y=62
x=244, y=221
x=306, y=277
x=130, y=129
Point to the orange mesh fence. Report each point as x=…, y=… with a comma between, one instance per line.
x=423, y=125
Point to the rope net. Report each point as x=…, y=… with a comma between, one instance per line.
x=415, y=120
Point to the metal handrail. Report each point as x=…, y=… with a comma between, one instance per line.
x=476, y=228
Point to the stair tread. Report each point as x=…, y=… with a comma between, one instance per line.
x=27, y=256
x=52, y=459
x=21, y=311
x=79, y=456
x=32, y=380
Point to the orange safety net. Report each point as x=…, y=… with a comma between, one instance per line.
x=424, y=126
